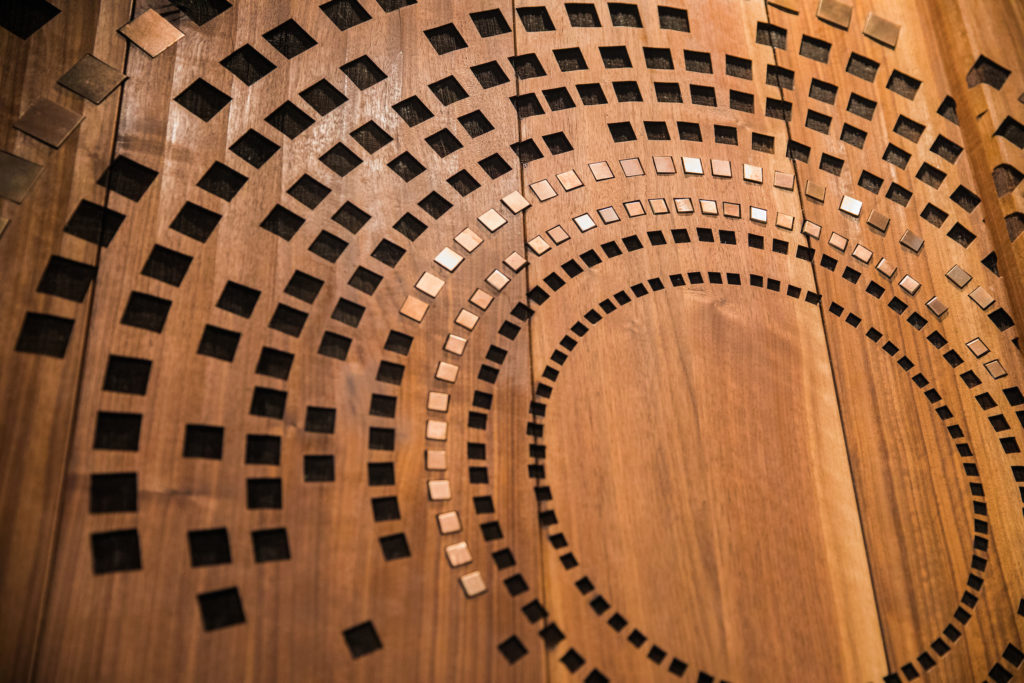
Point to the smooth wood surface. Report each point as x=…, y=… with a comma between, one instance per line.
x=770, y=462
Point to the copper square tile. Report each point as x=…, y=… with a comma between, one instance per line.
x=731, y=210
x=977, y=347
x=683, y=205
x=886, y=268
x=693, y=166
x=467, y=319
x=601, y=171
x=758, y=215
x=996, y=369
x=878, y=220
x=631, y=167
x=658, y=206
x=721, y=168
x=981, y=297
x=430, y=284
x=449, y=259
x=543, y=190
x=664, y=165
x=472, y=584
x=49, y=122
x=515, y=202
x=936, y=306
x=455, y=344
x=437, y=460
x=458, y=554
x=498, y=280
x=835, y=12
x=468, y=240
x=17, y=176
x=882, y=30
x=92, y=79
x=437, y=401
x=414, y=309
x=811, y=229
x=515, y=261
x=584, y=222
x=708, y=207
x=783, y=181
x=815, y=191
x=634, y=209
x=569, y=180
x=862, y=254
x=838, y=241
x=446, y=372
x=538, y=245
x=448, y=522
x=608, y=215
x=437, y=430
x=913, y=241
x=784, y=221
x=558, y=234
x=481, y=299
x=910, y=285
x=151, y=32
x=753, y=174
x=439, y=489
x=958, y=276
x=492, y=220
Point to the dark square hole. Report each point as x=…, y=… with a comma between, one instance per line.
x=348, y=312
x=345, y=13
x=221, y=608
x=365, y=281
x=309, y=191
x=209, y=546
x=304, y=286
x=495, y=166
x=363, y=72
x=615, y=57
x=288, y=320
x=535, y=19
x=444, y=142
x=362, y=639
x=222, y=181
x=254, y=149
x=262, y=449
x=406, y=166
x=263, y=493
x=66, y=278
x=274, y=363
x=289, y=119
x=394, y=546
x=128, y=178
x=202, y=99
x=673, y=19
x=116, y=551
x=371, y=136
x=25, y=18
x=445, y=39
x=94, y=223
x=448, y=90
x=166, y=265
x=289, y=39
x=270, y=545
x=238, y=299
x=203, y=441
x=248, y=64
x=323, y=97
x=113, y=492
x=490, y=23
x=591, y=93
x=268, y=402
x=282, y=222
x=127, y=375
x=202, y=11
x=219, y=343
x=318, y=467
x=145, y=311
x=489, y=74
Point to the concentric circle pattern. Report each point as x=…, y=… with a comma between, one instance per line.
x=418, y=340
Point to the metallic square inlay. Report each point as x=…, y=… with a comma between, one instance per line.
x=878, y=220
x=481, y=299
x=758, y=215
x=981, y=297
x=862, y=254
x=814, y=191
x=584, y=222
x=569, y=180
x=467, y=319
x=835, y=12
x=538, y=245
x=913, y=241
x=558, y=234
x=455, y=344
x=658, y=206
x=753, y=174
x=49, y=122
x=977, y=347
x=608, y=215
x=886, y=268
x=448, y=522
x=542, y=190
x=683, y=205
x=783, y=181
x=414, y=309
x=850, y=205
x=430, y=284
x=730, y=210
x=446, y=372
x=449, y=259
x=996, y=369
x=721, y=168
x=17, y=176
x=497, y=279
x=936, y=306
x=708, y=207
x=468, y=240
x=458, y=554
x=784, y=221
x=882, y=30
x=693, y=166
x=92, y=79
x=437, y=430
x=664, y=165
x=910, y=285
x=838, y=241
x=439, y=489
x=601, y=171
x=437, y=401
x=151, y=32
x=515, y=202
x=811, y=229
x=515, y=261
x=492, y=220
x=437, y=460
x=634, y=209
x=631, y=167
x=472, y=584
x=958, y=276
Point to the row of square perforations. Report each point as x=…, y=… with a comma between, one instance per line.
x=1012, y=658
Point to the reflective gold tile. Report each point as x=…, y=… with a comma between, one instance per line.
x=515, y=261
x=977, y=347
x=458, y=554
x=414, y=309
x=981, y=297
x=664, y=165
x=437, y=430
x=92, y=79
x=151, y=32
x=492, y=220
x=958, y=276
x=542, y=190
x=721, y=168
x=936, y=306
x=996, y=369
x=472, y=584
x=17, y=176
x=468, y=240
x=467, y=319
x=429, y=284
x=608, y=215
x=835, y=12
x=911, y=240
x=49, y=122
x=448, y=522
x=455, y=344
x=437, y=401
x=498, y=280
x=658, y=206
x=601, y=171
x=693, y=166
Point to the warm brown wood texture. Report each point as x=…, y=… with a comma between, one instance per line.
x=398, y=340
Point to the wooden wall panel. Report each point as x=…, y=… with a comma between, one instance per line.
x=640, y=341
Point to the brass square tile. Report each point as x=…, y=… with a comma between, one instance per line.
x=631, y=167
x=437, y=401
x=882, y=30
x=472, y=584
x=414, y=309
x=569, y=180
x=958, y=276
x=446, y=372
x=492, y=220
x=430, y=284
x=658, y=206
x=783, y=181
x=601, y=171
x=878, y=220
x=731, y=210
x=693, y=166
x=515, y=261
x=910, y=285
x=936, y=306
x=835, y=12
x=634, y=209
x=911, y=240
x=814, y=191
x=458, y=554
x=49, y=122
x=449, y=259
x=753, y=174
x=558, y=234
x=811, y=229
x=17, y=176
x=683, y=205
x=498, y=280
x=886, y=268
x=448, y=522
x=437, y=460
x=664, y=165
x=468, y=240
x=543, y=190
x=92, y=79
x=151, y=32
